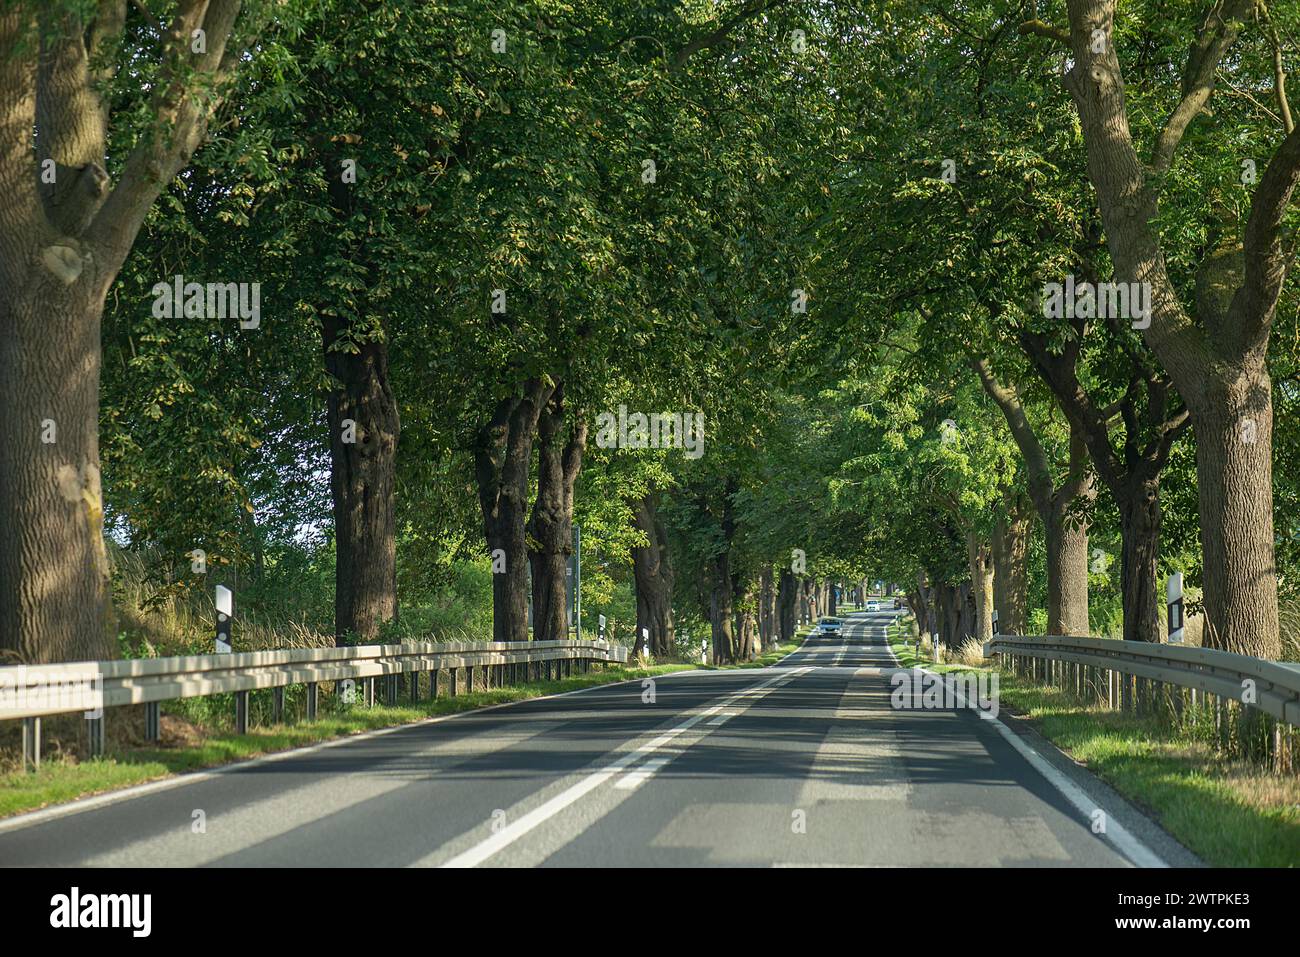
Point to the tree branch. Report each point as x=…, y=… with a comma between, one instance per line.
x=188, y=93
x=714, y=37
x=1041, y=29
x=1255, y=301
x=1220, y=30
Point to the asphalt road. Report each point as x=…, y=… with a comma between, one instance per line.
x=803, y=764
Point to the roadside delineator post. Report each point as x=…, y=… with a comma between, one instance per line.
x=225, y=612
x=1174, y=596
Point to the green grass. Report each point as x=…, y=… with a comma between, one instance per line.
x=66, y=779
x=1228, y=813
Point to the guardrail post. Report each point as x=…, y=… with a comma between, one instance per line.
x=277, y=704
x=433, y=685
x=95, y=736
x=451, y=680
x=370, y=692
x=313, y=694
x=32, y=743
x=415, y=687
x=152, y=721
x=241, y=712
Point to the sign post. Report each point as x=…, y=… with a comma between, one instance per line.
x=225, y=611
x=995, y=622
x=1174, y=595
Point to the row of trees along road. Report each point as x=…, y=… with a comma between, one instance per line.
x=826, y=227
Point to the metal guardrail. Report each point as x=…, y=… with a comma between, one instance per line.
x=30, y=692
x=1270, y=686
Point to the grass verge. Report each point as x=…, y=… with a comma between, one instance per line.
x=1231, y=814
x=64, y=778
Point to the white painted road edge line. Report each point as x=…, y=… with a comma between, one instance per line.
x=90, y=803
x=548, y=809
x=1116, y=834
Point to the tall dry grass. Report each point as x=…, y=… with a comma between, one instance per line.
x=153, y=623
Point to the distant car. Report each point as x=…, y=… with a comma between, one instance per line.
x=828, y=626
x=873, y=605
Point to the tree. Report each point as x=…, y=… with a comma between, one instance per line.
x=67, y=224
x=1216, y=352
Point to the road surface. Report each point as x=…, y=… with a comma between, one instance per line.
x=803, y=764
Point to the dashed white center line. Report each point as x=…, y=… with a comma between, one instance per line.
x=512, y=832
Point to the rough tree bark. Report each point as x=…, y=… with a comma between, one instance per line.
x=361, y=408
x=720, y=611
x=560, y=446
x=62, y=245
x=502, y=462
x=787, y=598
x=653, y=574
x=364, y=428
x=766, y=608
x=979, y=558
x=922, y=604
x=1010, y=565
x=746, y=632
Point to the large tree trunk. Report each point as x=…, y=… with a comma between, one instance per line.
x=766, y=608
x=787, y=598
x=502, y=462
x=53, y=564
x=550, y=528
x=746, y=636
x=979, y=558
x=1067, y=571
x=1058, y=506
x=62, y=244
x=720, y=611
x=1235, y=488
x=832, y=603
x=1139, y=509
x=1216, y=359
x=923, y=609
x=364, y=428
x=1010, y=570
x=653, y=574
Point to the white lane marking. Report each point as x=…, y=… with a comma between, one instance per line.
x=79, y=805
x=639, y=776
x=1116, y=833
x=515, y=830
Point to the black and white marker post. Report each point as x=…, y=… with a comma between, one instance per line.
x=995, y=622
x=1174, y=594
x=225, y=610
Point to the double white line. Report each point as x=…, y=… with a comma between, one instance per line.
x=514, y=831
